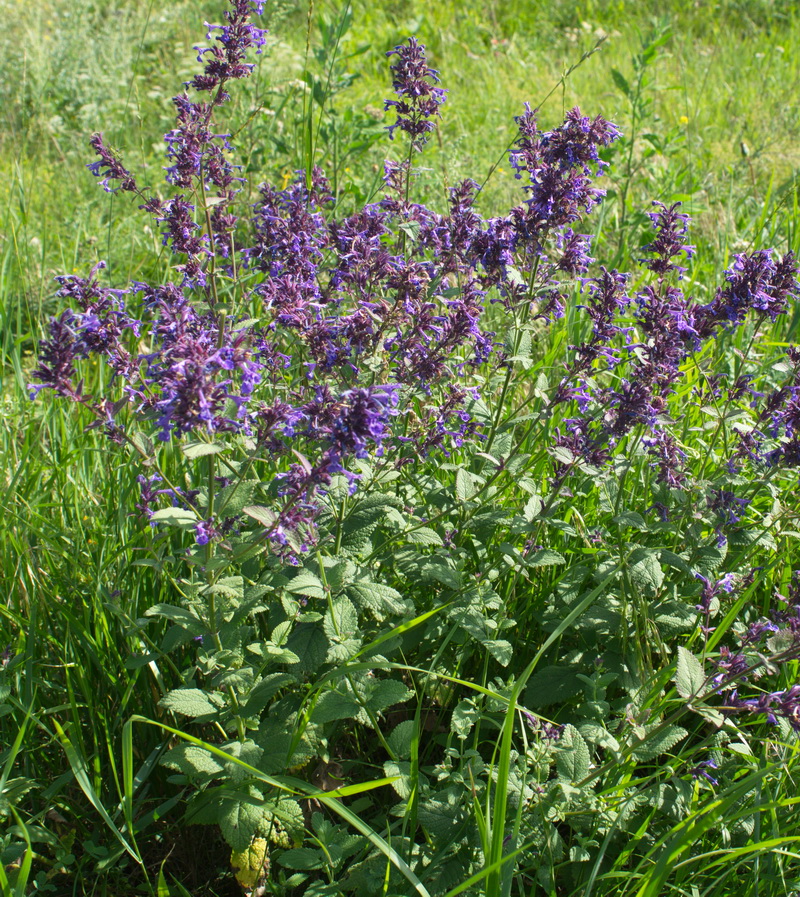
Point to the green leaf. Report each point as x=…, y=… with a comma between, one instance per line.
x=689, y=674
x=424, y=536
x=231, y=500
x=248, y=752
x=332, y=706
x=193, y=761
x=401, y=771
x=178, y=615
x=385, y=693
x=532, y=508
x=306, y=583
x=443, y=813
x=180, y=517
x=143, y=443
x=545, y=557
x=631, y=520
x=465, y=485
x=190, y=702
x=572, y=758
x=265, y=516
x=401, y=737
x=341, y=620
x=500, y=649
x=304, y=858
x=621, y=82
x=194, y=450
x=514, y=276
x=663, y=741
x=435, y=569
x=645, y=569
x=239, y=822
x=465, y=715
x=226, y=587
x=383, y=601
x=310, y=645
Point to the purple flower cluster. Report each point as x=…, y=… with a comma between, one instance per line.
x=225, y=59
x=319, y=333
x=414, y=82
x=642, y=355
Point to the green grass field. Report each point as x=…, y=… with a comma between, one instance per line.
x=706, y=95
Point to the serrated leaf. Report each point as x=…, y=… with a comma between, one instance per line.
x=465, y=715
x=248, y=752
x=658, y=744
x=194, y=450
x=309, y=644
x=238, y=823
x=264, y=691
x=193, y=761
x=304, y=858
x=341, y=620
x=465, y=486
x=514, y=276
x=306, y=583
x=562, y=454
x=226, y=587
x=500, y=649
x=178, y=615
x=424, y=536
x=400, y=771
x=645, y=570
x=231, y=500
x=689, y=674
x=532, y=508
x=400, y=738
x=265, y=516
x=381, y=600
x=545, y=557
x=191, y=702
x=332, y=705
x=631, y=520
x=573, y=760
x=180, y=517
x=386, y=693
x=143, y=443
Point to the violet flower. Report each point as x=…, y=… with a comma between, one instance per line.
x=414, y=82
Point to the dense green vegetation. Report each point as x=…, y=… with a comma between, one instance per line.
x=503, y=584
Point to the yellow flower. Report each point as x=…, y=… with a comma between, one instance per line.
x=684, y=120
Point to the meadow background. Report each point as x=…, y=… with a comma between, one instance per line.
x=705, y=94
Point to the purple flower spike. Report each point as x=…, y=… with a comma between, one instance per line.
x=204, y=532
x=363, y=419
x=225, y=59
x=671, y=229
x=109, y=168
x=414, y=82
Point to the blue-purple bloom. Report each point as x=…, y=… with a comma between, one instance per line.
x=414, y=82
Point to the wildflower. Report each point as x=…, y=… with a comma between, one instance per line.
x=224, y=60
x=671, y=229
x=205, y=532
x=702, y=771
x=414, y=82
x=363, y=420
x=109, y=168
x=754, y=282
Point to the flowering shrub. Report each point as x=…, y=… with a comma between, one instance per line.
x=368, y=438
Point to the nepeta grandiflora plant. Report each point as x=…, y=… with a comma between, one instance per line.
x=316, y=369
x=361, y=322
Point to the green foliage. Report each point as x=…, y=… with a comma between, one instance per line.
x=410, y=647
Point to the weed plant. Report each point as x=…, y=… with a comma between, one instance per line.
x=415, y=551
